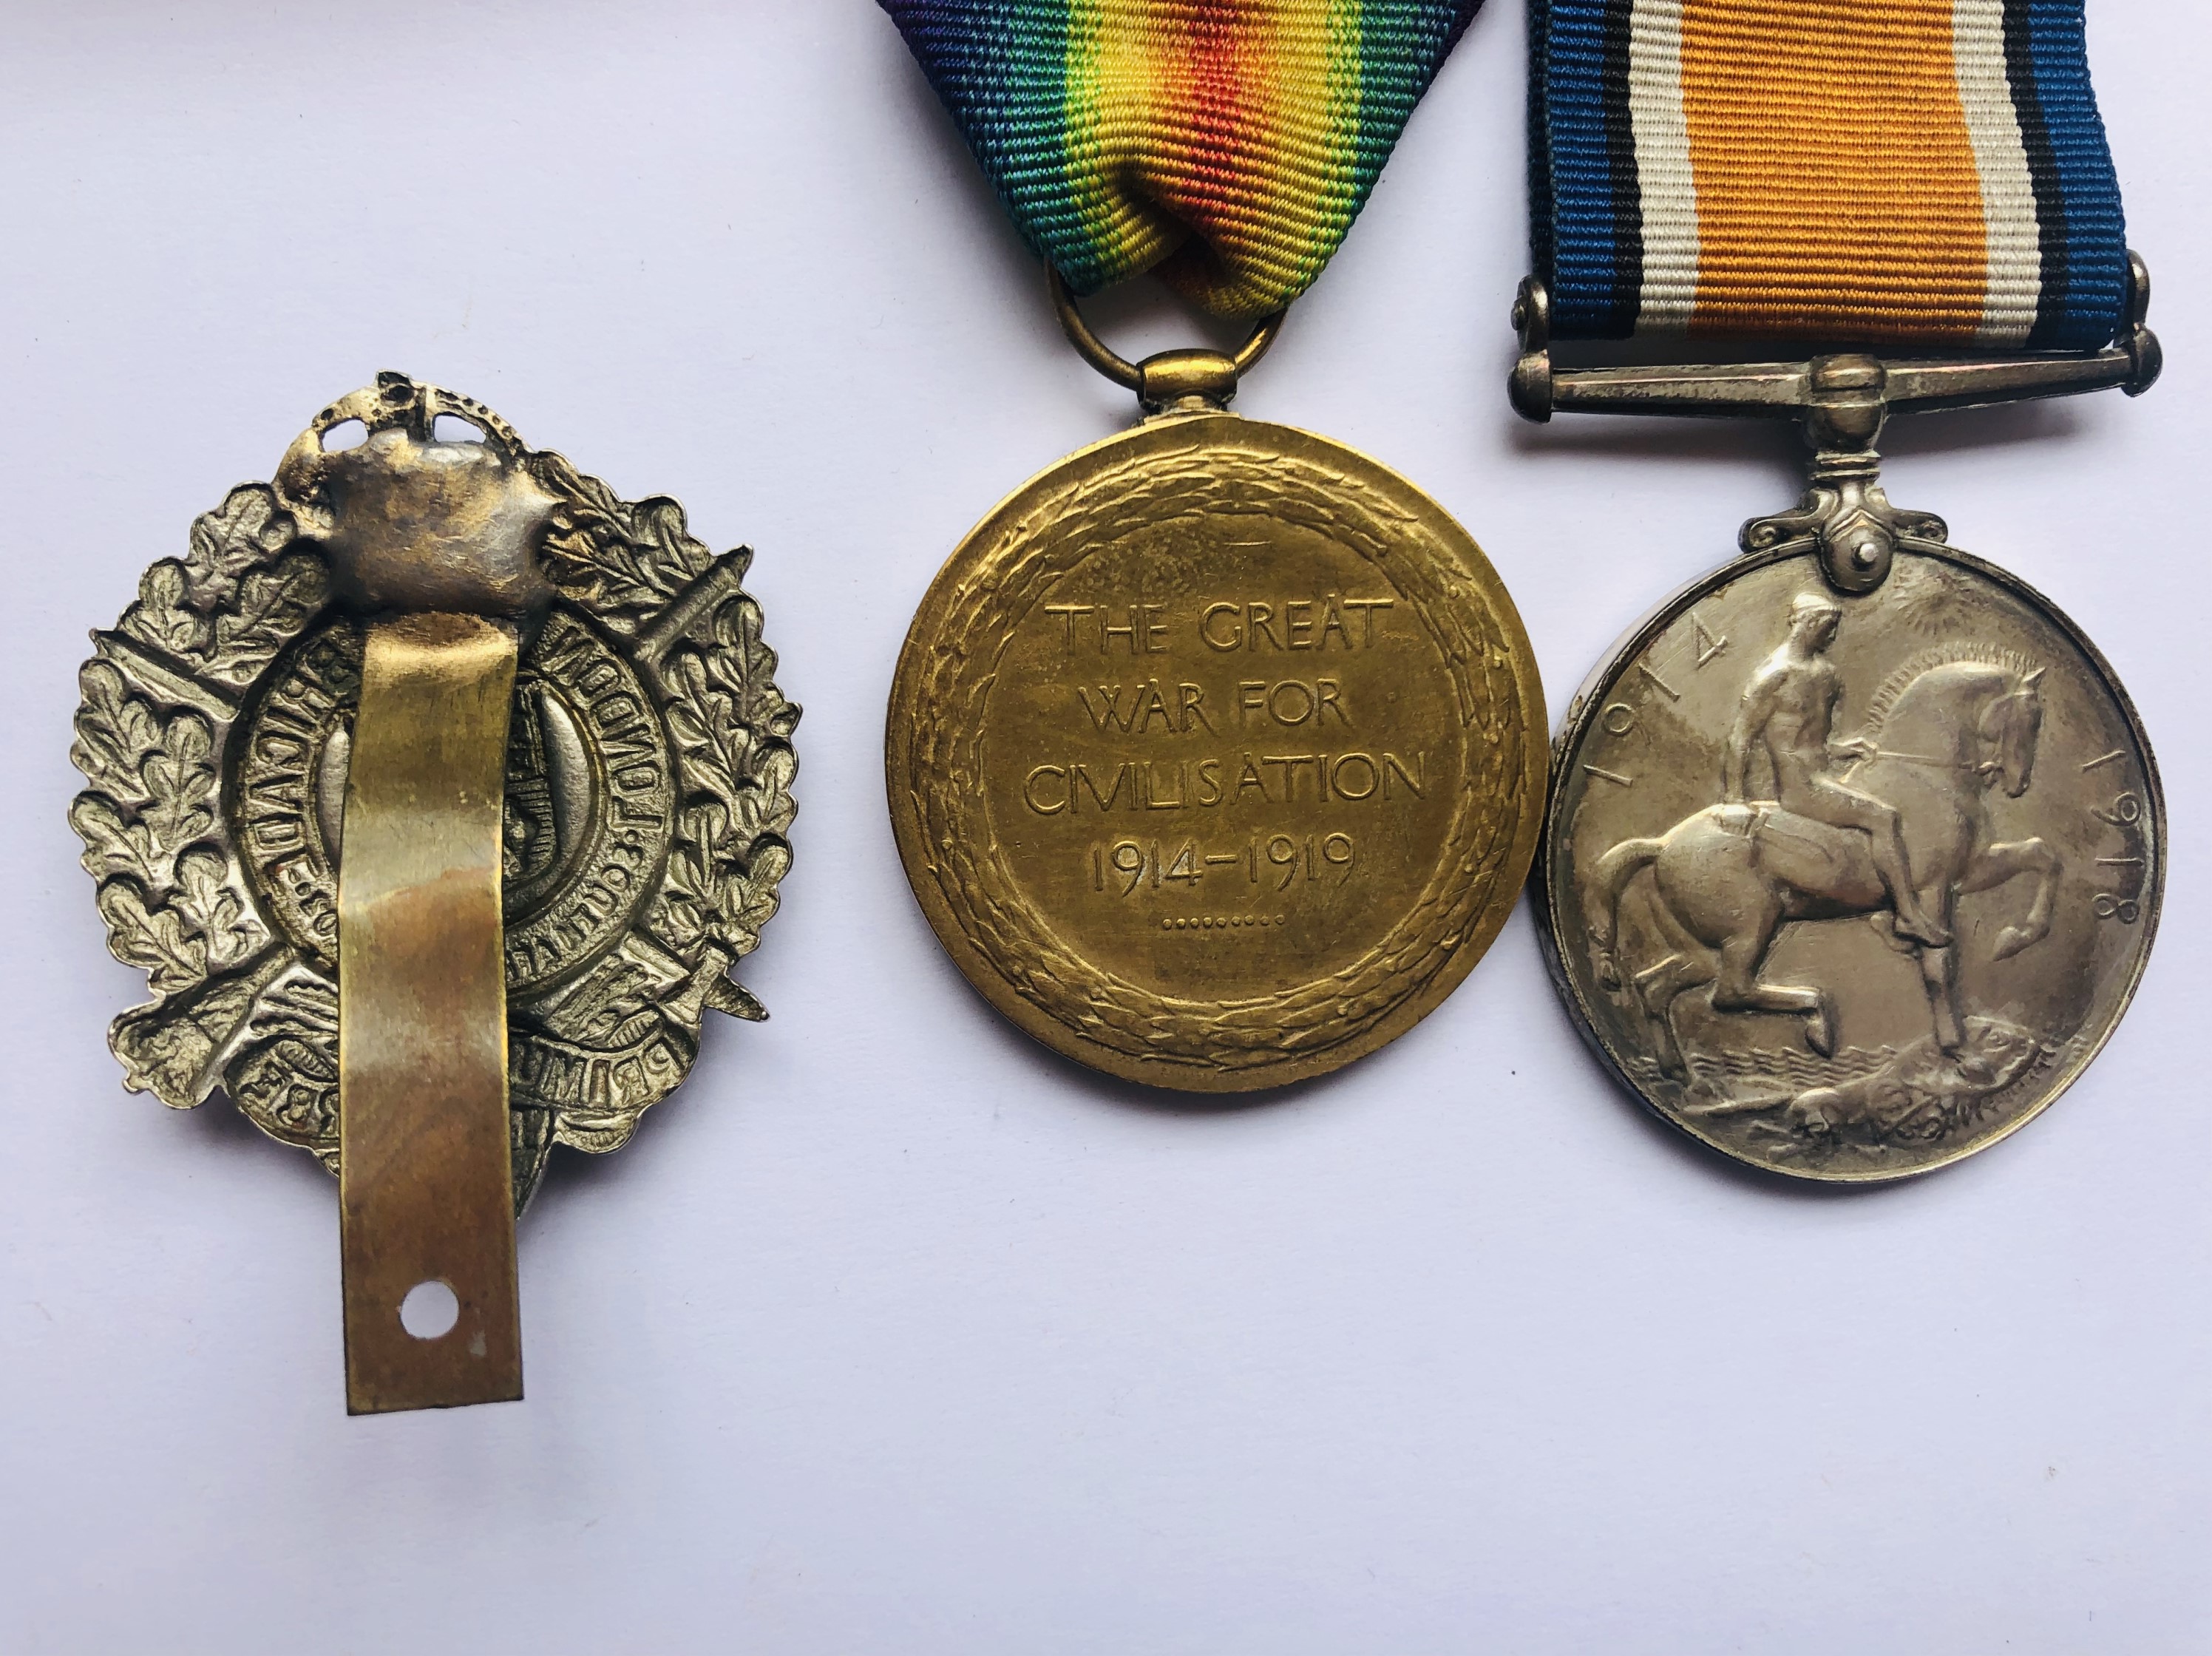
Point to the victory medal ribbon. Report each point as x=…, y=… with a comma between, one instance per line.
x=1228, y=143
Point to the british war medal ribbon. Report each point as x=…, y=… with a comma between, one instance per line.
x=1922, y=173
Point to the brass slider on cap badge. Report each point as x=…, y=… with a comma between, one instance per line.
x=437, y=791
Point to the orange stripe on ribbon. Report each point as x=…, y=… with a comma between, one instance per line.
x=1833, y=160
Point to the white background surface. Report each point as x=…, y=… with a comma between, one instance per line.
x=892, y=1333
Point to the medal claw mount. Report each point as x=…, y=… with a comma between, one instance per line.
x=641, y=835
x=1843, y=399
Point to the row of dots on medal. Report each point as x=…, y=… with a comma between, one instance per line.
x=1209, y=922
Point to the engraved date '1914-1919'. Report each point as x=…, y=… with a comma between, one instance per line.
x=1254, y=715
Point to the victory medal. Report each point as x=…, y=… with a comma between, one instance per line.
x=1214, y=753
x=1854, y=849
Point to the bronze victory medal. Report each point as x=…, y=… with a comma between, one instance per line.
x=1851, y=886
x=1214, y=754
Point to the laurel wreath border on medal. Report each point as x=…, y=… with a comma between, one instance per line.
x=1551, y=923
x=236, y=1004
x=1223, y=463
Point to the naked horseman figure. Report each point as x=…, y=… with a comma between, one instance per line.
x=1952, y=728
x=1789, y=712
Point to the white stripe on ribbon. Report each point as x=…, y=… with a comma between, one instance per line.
x=1664, y=181
x=2014, y=260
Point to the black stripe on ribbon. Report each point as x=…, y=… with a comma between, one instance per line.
x=1620, y=158
x=2042, y=169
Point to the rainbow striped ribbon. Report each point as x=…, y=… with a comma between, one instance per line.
x=1229, y=143
x=1877, y=171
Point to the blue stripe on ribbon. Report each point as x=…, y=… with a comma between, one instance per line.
x=1002, y=70
x=2085, y=307
x=1586, y=225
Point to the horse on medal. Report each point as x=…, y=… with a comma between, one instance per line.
x=1896, y=832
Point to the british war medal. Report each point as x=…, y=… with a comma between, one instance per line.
x=1854, y=849
x=1214, y=751
x=436, y=790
